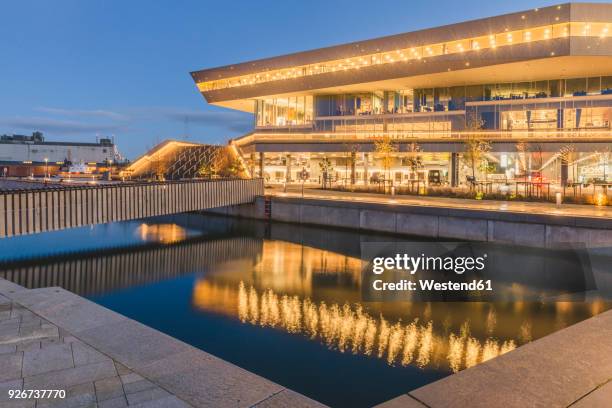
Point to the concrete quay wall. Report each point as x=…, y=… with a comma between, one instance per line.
x=534, y=230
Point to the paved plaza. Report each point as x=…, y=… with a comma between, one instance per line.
x=570, y=210
x=35, y=354
x=52, y=339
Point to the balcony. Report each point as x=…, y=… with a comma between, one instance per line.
x=564, y=136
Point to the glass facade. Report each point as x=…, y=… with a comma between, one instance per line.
x=284, y=112
x=495, y=171
x=453, y=98
x=575, y=103
x=393, y=124
x=571, y=113
x=563, y=110
x=365, y=104
x=587, y=118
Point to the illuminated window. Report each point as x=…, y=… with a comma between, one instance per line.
x=281, y=112
x=593, y=118
x=529, y=119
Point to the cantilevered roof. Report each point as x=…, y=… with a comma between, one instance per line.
x=567, y=30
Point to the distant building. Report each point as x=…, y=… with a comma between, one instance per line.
x=22, y=155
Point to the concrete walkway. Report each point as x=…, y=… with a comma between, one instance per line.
x=571, y=210
x=53, y=339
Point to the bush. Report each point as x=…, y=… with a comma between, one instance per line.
x=449, y=192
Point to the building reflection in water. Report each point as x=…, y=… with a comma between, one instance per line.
x=306, y=291
x=315, y=293
x=162, y=233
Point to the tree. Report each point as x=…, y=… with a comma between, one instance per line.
x=475, y=145
x=385, y=148
x=228, y=164
x=351, y=162
x=207, y=170
x=231, y=167
x=522, y=148
x=159, y=166
x=486, y=167
x=235, y=168
x=475, y=150
x=604, y=159
x=414, y=161
x=567, y=154
x=326, y=168
x=538, y=150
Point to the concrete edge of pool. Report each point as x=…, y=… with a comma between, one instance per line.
x=569, y=367
x=528, y=227
x=181, y=375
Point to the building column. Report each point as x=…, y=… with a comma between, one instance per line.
x=353, y=165
x=261, y=164
x=252, y=166
x=454, y=170
x=529, y=166
x=564, y=172
x=366, y=157
x=288, y=170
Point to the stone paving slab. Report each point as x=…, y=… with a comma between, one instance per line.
x=51, y=358
x=288, y=399
x=132, y=343
x=601, y=397
x=209, y=381
x=403, y=401
x=65, y=309
x=54, y=339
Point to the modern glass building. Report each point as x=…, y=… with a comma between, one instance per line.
x=534, y=87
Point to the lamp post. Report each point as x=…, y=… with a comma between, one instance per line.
x=110, y=169
x=46, y=168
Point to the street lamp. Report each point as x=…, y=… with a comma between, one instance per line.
x=110, y=169
x=46, y=167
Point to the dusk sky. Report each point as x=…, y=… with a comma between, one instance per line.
x=83, y=68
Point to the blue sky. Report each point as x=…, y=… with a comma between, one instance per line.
x=77, y=69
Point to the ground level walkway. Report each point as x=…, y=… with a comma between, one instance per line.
x=570, y=210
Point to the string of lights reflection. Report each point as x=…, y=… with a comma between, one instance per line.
x=351, y=329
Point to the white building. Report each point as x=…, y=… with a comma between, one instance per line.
x=34, y=149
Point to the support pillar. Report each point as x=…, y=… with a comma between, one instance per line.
x=261, y=164
x=564, y=172
x=252, y=164
x=454, y=170
x=288, y=170
x=353, y=165
x=366, y=158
